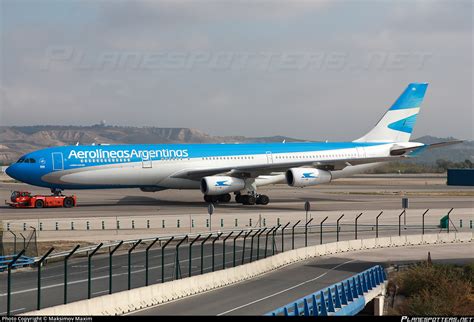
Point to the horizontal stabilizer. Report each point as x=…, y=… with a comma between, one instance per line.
x=414, y=150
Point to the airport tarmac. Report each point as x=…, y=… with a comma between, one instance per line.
x=367, y=192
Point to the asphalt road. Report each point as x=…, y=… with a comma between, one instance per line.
x=272, y=290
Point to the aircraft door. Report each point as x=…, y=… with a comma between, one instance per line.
x=269, y=157
x=147, y=164
x=58, y=161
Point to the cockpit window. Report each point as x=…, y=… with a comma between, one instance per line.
x=32, y=161
x=20, y=160
x=26, y=161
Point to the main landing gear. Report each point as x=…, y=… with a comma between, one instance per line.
x=220, y=198
x=249, y=199
x=252, y=199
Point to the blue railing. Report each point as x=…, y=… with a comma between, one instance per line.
x=343, y=298
x=22, y=261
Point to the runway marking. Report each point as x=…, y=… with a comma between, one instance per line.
x=285, y=290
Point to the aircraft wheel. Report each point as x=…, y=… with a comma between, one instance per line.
x=39, y=203
x=238, y=198
x=263, y=200
x=208, y=198
x=225, y=197
x=248, y=200
x=68, y=202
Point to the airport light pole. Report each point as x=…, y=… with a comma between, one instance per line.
x=130, y=263
x=234, y=242
x=40, y=263
x=377, y=224
x=89, y=271
x=147, y=259
x=163, y=259
x=423, y=221
x=66, y=258
x=9, y=280
x=111, y=254
x=337, y=227
x=191, y=254
x=293, y=234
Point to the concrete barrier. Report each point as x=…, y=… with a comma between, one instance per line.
x=128, y=301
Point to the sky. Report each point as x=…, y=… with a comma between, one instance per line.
x=315, y=70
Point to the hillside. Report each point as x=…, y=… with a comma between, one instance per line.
x=17, y=140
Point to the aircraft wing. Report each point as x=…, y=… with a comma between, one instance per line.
x=249, y=171
x=414, y=150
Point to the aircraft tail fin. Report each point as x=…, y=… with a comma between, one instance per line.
x=397, y=123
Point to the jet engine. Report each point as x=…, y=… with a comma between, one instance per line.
x=303, y=177
x=218, y=185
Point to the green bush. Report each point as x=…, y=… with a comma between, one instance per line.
x=436, y=290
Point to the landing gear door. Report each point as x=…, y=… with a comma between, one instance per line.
x=58, y=161
x=147, y=164
x=269, y=157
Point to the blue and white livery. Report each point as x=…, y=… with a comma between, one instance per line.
x=220, y=169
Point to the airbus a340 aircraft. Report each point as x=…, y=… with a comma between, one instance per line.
x=220, y=169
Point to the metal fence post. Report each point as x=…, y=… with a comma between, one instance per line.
x=130, y=263
x=423, y=221
x=449, y=220
x=9, y=280
x=110, y=264
x=293, y=234
x=177, y=265
x=377, y=224
x=213, y=248
x=24, y=240
x=273, y=238
x=283, y=237
x=66, y=258
x=234, y=241
x=146, y=259
x=14, y=241
x=356, y=224
x=251, y=244
x=223, y=249
x=202, y=252
x=40, y=262
x=191, y=254
x=306, y=232
x=266, y=240
x=337, y=227
x=321, y=230
x=89, y=271
x=163, y=259
x=400, y=223
x=243, y=246
x=258, y=242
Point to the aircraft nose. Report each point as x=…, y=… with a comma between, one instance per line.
x=10, y=171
